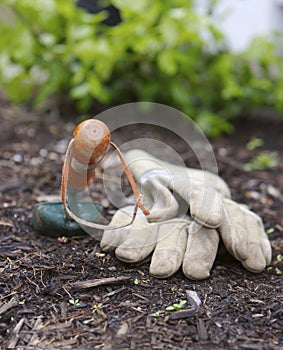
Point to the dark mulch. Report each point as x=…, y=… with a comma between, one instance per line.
x=40, y=275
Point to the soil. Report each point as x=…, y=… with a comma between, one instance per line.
x=61, y=293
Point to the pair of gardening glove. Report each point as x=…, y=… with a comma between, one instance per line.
x=190, y=211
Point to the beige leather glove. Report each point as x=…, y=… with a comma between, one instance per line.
x=178, y=240
x=133, y=244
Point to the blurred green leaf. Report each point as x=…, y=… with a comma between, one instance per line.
x=254, y=143
x=166, y=62
x=162, y=51
x=262, y=161
x=133, y=6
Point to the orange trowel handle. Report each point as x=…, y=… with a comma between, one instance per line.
x=91, y=140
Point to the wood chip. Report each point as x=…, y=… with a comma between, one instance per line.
x=186, y=313
x=123, y=330
x=5, y=307
x=193, y=298
x=37, y=326
x=15, y=334
x=116, y=291
x=279, y=227
x=6, y=223
x=202, y=331
x=272, y=191
x=99, y=282
x=9, y=186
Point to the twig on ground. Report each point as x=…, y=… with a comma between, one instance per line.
x=99, y=282
x=15, y=334
x=11, y=303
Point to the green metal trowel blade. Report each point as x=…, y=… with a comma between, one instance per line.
x=51, y=219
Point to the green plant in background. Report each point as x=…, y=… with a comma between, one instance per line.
x=37, y=39
x=262, y=161
x=162, y=51
x=254, y=143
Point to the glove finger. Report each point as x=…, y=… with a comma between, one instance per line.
x=243, y=234
x=139, y=242
x=202, y=246
x=206, y=206
x=165, y=206
x=170, y=248
x=258, y=259
x=258, y=244
x=113, y=238
x=234, y=237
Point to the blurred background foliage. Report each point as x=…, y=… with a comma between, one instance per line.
x=161, y=51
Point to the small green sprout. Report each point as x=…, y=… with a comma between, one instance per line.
x=22, y=302
x=136, y=281
x=145, y=281
x=96, y=308
x=101, y=256
x=176, y=307
x=157, y=314
x=279, y=257
x=254, y=143
x=270, y=230
x=74, y=302
x=277, y=270
x=262, y=161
